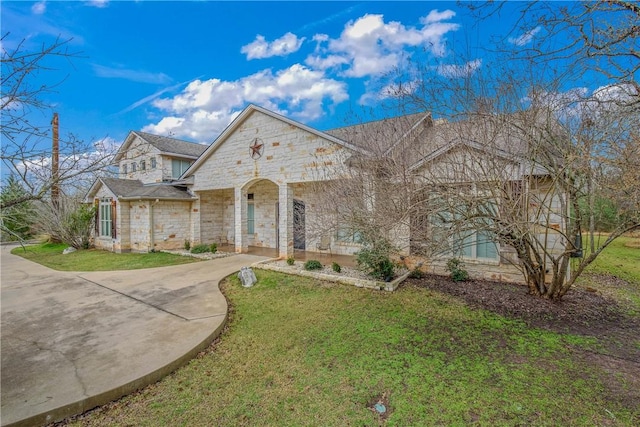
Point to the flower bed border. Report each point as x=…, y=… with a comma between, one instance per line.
x=360, y=283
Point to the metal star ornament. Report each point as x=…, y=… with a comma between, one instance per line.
x=257, y=148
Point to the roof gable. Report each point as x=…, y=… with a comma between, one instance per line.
x=243, y=116
x=168, y=146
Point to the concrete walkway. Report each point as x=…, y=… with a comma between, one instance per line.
x=73, y=341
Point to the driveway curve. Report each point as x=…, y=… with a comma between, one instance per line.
x=72, y=341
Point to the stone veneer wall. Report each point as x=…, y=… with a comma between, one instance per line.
x=265, y=197
x=290, y=155
x=138, y=151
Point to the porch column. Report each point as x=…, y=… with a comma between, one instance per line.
x=285, y=225
x=240, y=206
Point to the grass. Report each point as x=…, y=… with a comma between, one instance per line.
x=301, y=352
x=50, y=255
x=621, y=258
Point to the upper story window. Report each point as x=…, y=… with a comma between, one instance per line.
x=124, y=169
x=134, y=167
x=178, y=167
x=153, y=163
x=143, y=165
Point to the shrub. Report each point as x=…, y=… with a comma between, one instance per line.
x=416, y=273
x=456, y=268
x=214, y=248
x=187, y=245
x=375, y=261
x=291, y=261
x=312, y=264
x=200, y=249
x=336, y=267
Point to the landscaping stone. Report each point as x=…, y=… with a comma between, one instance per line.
x=247, y=277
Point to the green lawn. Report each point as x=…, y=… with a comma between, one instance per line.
x=300, y=352
x=50, y=255
x=621, y=258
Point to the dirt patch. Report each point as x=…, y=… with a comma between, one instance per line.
x=581, y=312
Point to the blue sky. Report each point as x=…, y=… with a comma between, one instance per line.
x=186, y=69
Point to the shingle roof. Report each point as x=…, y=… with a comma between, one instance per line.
x=133, y=188
x=173, y=145
x=379, y=135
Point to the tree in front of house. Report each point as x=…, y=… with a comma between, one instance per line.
x=516, y=167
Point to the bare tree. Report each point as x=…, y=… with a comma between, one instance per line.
x=26, y=147
x=508, y=169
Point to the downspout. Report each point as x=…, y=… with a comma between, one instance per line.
x=151, y=226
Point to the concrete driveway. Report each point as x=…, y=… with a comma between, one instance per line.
x=73, y=341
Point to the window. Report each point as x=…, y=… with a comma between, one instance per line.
x=459, y=235
x=178, y=167
x=346, y=234
x=143, y=165
x=134, y=167
x=105, y=219
x=124, y=169
x=153, y=163
x=251, y=227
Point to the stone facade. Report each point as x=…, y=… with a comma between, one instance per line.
x=256, y=185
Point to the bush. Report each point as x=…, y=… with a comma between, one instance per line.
x=375, y=261
x=187, y=245
x=416, y=273
x=312, y=264
x=456, y=268
x=200, y=249
x=291, y=261
x=214, y=248
x=336, y=267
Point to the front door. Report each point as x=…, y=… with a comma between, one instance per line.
x=299, y=225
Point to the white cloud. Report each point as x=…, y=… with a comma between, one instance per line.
x=369, y=46
x=437, y=16
x=525, y=38
x=39, y=8
x=98, y=3
x=205, y=107
x=456, y=71
x=132, y=75
x=283, y=46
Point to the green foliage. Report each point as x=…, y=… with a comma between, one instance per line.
x=456, y=267
x=416, y=273
x=213, y=248
x=291, y=260
x=605, y=212
x=336, y=267
x=16, y=220
x=313, y=264
x=201, y=249
x=187, y=245
x=374, y=260
x=79, y=225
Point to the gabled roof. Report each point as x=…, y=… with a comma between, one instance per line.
x=244, y=115
x=382, y=135
x=128, y=189
x=169, y=146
